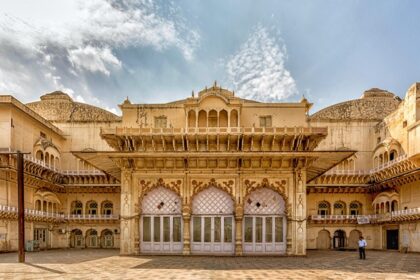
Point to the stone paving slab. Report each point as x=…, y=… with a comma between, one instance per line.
x=107, y=264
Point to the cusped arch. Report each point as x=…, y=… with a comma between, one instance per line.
x=161, y=200
x=264, y=201
x=147, y=186
x=278, y=187
x=212, y=201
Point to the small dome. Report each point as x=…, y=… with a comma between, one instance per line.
x=58, y=106
x=374, y=105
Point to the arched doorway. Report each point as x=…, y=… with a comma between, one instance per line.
x=107, y=239
x=212, y=224
x=264, y=223
x=161, y=223
x=354, y=239
x=323, y=241
x=339, y=239
x=76, y=239
x=92, y=238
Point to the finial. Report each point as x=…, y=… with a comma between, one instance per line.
x=215, y=83
x=205, y=88
x=233, y=92
x=127, y=101
x=192, y=93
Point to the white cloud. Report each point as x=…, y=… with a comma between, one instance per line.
x=94, y=59
x=41, y=53
x=257, y=71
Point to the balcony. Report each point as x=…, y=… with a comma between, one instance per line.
x=406, y=215
x=82, y=172
x=388, y=164
x=91, y=218
x=11, y=212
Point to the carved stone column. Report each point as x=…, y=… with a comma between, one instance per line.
x=298, y=221
x=186, y=216
x=238, y=230
x=127, y=213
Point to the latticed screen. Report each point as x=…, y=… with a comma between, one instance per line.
x=161, y=201
x=212, y=201
x=264, y=201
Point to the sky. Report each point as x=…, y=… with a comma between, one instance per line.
x=102, y=51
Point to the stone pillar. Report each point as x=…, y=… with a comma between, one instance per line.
x=298, y=223
x=187, y=235
x=238, y=235
x=127, y=213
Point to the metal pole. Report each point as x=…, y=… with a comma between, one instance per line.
x=21, y=207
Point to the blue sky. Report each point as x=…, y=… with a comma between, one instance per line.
x=101, y=51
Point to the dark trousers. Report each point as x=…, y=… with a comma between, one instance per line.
x=362, y=253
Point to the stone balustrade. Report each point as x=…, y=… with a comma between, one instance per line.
x=388, y=164
x=11, y=212
x=91, y=217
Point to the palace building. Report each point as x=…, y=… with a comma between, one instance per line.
x=213, y=174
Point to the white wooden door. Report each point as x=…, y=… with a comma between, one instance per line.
x=264, y=234
x=161, y=234
x=212, y=235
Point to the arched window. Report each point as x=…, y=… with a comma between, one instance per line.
x=92, y=208
x=39, y=156
x=339, y=208
x=191, y=118
x=355, y=208
x=202, y=118
x=107, y=208
x=323, y=208
x=223, y=118
x=394, y=205
x=47, y=159
x=233, y=118
x=38, y=205
x=76, y=207
x=213, y=118
x=393, y=155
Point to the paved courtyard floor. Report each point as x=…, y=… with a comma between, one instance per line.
x=107, y=264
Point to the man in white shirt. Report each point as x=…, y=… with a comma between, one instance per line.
x=362, y=246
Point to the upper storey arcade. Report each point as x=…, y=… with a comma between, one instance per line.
x=214, y=107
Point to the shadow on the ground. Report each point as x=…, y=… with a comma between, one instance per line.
x=60, y=256
x=376, y=262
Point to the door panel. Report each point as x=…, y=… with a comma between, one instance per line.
x=212, y=234
x=161, y=234
x=264, y=234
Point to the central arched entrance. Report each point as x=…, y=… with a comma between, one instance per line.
x=212, y=224
x=264, y=223
x=161, y=223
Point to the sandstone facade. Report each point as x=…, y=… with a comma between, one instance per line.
x=214, y=174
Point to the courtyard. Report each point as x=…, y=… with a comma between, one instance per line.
x=107, y=264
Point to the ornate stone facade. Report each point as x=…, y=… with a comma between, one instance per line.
x=214, y=174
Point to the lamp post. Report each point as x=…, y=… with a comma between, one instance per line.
x=21, y=203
